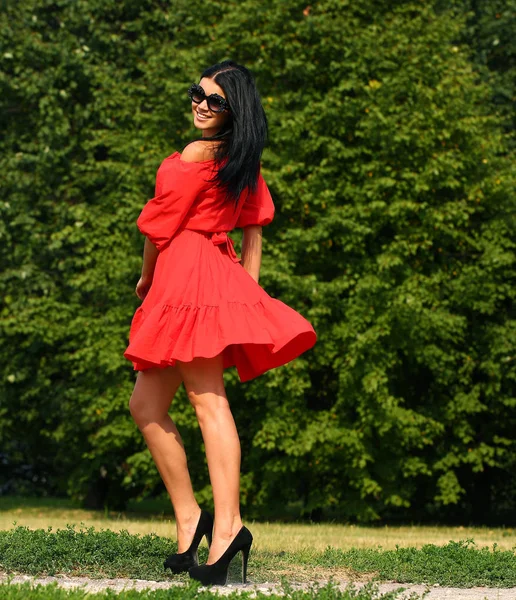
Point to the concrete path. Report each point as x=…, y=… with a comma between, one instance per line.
x=98, y=585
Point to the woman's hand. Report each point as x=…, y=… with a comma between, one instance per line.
x=143, y=287
x=150, y=256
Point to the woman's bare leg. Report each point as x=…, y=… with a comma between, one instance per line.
x=204, y=384
x=149, y=405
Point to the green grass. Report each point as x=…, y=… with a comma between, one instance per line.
x=154, y=516
x=13, y=502
x=87, y=552
x=458, y=564
x=192, y=592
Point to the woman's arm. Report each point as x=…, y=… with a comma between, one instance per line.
x=150, y=255
x=252, y=250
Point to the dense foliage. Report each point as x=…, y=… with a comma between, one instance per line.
x=389, y=161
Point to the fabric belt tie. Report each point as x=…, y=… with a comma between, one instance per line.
x=221, y=238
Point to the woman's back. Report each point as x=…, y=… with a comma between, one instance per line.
x=188, y=198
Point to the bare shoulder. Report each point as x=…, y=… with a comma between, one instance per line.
x=198, y=152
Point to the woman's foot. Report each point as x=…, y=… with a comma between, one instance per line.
x=222, y=538
x=217, y=573
x=181, y=561
x=186, y=530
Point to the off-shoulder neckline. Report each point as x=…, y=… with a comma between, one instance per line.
x=200, y=162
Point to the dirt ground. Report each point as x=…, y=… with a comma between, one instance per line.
x=98, y=585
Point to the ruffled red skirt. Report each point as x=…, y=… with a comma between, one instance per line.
x=202, y=303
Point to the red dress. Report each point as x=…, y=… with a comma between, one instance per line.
x=202, y=302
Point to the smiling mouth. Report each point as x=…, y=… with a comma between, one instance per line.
x=202, y=115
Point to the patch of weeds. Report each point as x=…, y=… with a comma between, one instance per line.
x=110, y=554
x=331, y=591
x=458, y=564
x=194, y=592
x=84, y=552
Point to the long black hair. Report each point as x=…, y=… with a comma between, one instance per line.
x=243, y=136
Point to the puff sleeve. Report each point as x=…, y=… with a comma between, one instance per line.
x=176, y=189
x=258, y=208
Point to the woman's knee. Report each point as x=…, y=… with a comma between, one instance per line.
x=140, y=410
x=204, y=385
x=152, y=396
x=208, y=406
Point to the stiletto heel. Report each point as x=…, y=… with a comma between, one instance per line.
x=245, y=558
x=180, y=563
x=217, y=573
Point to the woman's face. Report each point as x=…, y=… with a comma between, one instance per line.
x=206, y=120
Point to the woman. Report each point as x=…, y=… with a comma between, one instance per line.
x=204, y=311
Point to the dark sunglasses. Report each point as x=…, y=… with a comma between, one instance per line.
x=216, y=103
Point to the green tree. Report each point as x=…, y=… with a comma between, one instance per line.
x=395, y=212
x=489, y=32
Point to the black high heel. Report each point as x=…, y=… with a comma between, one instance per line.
x=180, y=563
x=217, y=573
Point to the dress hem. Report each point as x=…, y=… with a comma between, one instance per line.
x=274, y=350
